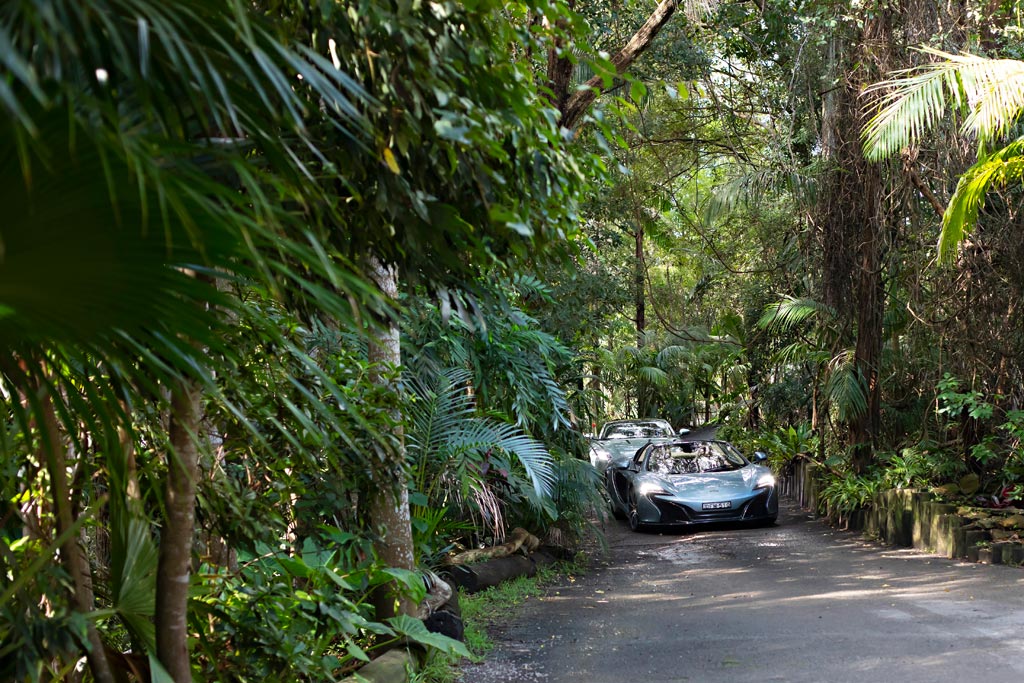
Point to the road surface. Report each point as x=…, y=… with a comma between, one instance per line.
x=795, y=602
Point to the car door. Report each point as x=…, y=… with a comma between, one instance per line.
x=622, y=477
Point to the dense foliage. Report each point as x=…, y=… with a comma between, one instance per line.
x=196, y=427
x=297, y=298
x=785, y=179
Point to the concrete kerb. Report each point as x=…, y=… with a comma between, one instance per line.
x=915, y=519
x=394, y=666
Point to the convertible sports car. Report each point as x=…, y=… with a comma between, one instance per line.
x=691, y=482
x=620, y=439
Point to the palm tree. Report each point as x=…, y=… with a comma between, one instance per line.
x=991, y=94
x=838, y=384
x=148, y=151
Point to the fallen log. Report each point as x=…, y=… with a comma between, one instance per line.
x=519, y=538
x=477, y=577
x=438, y=594
x=390, y=667
x=447, y=619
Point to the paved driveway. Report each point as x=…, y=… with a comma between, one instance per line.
x=796, y=602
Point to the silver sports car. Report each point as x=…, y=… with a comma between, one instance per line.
x=691, y=482
x=619, y=440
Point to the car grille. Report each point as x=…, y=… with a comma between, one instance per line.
x=677, y=513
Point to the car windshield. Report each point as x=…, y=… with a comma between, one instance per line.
x=636, y=430
x=694, y=458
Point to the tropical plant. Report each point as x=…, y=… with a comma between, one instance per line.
x=991, y=94
x=838, y=383
x=468, y=462
x=161, y=129
x=910, y=468
x=848, y=493
x=784, y=444
x=179, y=214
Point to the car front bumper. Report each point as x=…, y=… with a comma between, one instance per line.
x=658, y=508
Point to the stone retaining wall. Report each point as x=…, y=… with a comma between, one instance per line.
x=916, y=519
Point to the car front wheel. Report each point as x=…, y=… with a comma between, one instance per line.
x=634, y=516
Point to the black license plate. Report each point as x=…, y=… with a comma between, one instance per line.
x=724, y=505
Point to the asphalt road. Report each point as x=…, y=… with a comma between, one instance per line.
x=795, y=602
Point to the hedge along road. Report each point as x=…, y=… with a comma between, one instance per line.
x=795, y=602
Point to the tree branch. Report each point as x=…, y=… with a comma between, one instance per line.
x=578, y=103
x=921, y=186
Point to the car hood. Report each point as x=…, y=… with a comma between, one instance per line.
x=712, y=485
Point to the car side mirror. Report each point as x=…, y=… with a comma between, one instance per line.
x=760, y=456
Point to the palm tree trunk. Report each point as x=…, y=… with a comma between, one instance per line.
x=388, y=503
x=73, y=556
x=175, y=562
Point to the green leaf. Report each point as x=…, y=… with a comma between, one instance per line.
x=448, y=129
x=637, y=91
x=415, y=630
x=157, y=672
x=412, y=581
x=294, y=567
x=356, y=651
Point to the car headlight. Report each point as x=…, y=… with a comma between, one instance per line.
x=599, y=455
x=765, y=481
x=649, y=487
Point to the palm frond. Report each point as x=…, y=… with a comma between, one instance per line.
x=673, y=355
x=481, y=434
x=737, y=191
x=1002, y=168
x=800, y=352
x=791, y=311
x=845, y=388
x=747, y=188
x=653, y=376
x=443, y=429
x=436, y=408
x=992, y=90
x=629, y=354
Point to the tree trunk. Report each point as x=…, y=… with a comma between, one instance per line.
x=175, y=561
x=852, y=217
x=638, y=283
x=864, y=430
x=560, y=70
x=388, y=505
x=72, y=555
